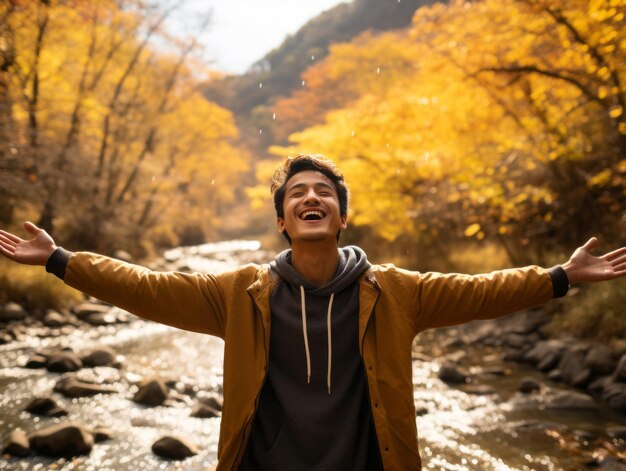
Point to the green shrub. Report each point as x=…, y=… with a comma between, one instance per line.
x=32, y=287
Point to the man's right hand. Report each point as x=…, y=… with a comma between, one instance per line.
x=30, y=252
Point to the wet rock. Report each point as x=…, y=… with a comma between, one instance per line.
x=12, y=312
x=555, y=375
x=620, y=370
x=533, y=426
x=513, y=355
x=582, y=378
x=451, y=375
x=526, y=322
x=85, y=309
x=17, y=444
x=212, y=400
x=421, y=411
x=175, y=448
x=572, y=366
x=615, y=396
x=529, y=385
x=153, y=392
x=45, y=406
x=544, y=348
x=572, y=400
x=101, y=356
x=478, y=389
x=515, y=340
x=63, y=362
x=204, y=412
x=70, y=386
x=5, y=338
x=598, y=386
x=98, y=319
x=36, y=361
x=549, y=362
x=55, y=319
x=102, y=434
x=62, y=440
x=600, y=360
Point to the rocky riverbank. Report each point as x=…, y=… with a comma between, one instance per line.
x=562, y=375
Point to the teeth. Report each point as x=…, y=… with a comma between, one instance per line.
x=311, y=213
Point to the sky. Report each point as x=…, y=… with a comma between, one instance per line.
x=243, y=31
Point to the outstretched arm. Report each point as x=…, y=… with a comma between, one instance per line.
x=583, y=267
x=35, y=251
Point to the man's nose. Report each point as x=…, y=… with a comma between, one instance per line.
x=311, y=196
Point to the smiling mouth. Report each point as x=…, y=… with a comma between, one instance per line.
x=312, y=216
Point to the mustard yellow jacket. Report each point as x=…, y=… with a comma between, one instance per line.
x=394, y=306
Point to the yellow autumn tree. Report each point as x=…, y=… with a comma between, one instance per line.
x=506, y=124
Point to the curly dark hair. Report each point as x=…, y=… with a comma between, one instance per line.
x=300, y=163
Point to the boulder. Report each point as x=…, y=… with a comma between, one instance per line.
x=529, y=385
x=70, y=386
x=17, y=444
x=174, y=448
x=203, y=411
x=515, y=340
x=153, y=392
x=478, y=389
x=101, y=356
x=55, y=319
x=63, y=362
x=526, y=322
x=83, y=310
x=102, y=434
x=620, y=370
x=600, y=360
x=451, y=375
x=572, y=366
x=544, y=348
x=212, y=400
x=98, y=318
x=598, y=386
x=36, y=361
x=549, y=361
x=45, y=406
x=555, y=375
x=62, y=440
x=572, y=400
x=12, y=312
x=615, y=396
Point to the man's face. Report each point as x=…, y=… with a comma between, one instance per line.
x=311, y=208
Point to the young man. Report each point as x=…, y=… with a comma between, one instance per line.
x=317, y=359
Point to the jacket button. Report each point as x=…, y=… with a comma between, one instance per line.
x=386, y=448
x=376, y=404
x=370, y=367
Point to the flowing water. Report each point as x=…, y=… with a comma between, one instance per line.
x=504, y=430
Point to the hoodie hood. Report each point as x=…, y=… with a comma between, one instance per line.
x=352, y=263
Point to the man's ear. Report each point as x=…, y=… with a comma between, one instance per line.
x=344, y=222
x=280, y=222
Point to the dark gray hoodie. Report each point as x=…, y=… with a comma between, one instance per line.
x=314, y=412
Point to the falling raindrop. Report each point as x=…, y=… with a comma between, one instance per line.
x=260, y=131
x=378, y=70
x=353, y=133
x=274, y=116
x=303, y=82
x=312, y=58
x=213, y=182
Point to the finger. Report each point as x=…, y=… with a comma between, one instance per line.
x=7, y=248
x=615, y=254
x=590, y=244
x=620, y=267
x=31, y=228
x=619, y=260
x=8, y=242
x=10, y=236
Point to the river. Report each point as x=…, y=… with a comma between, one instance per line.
x=501, y=430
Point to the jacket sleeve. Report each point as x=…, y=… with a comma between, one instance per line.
x=194, y=302
x=449, y=299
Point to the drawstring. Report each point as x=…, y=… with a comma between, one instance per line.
x=330, y=341
x=305, y=335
